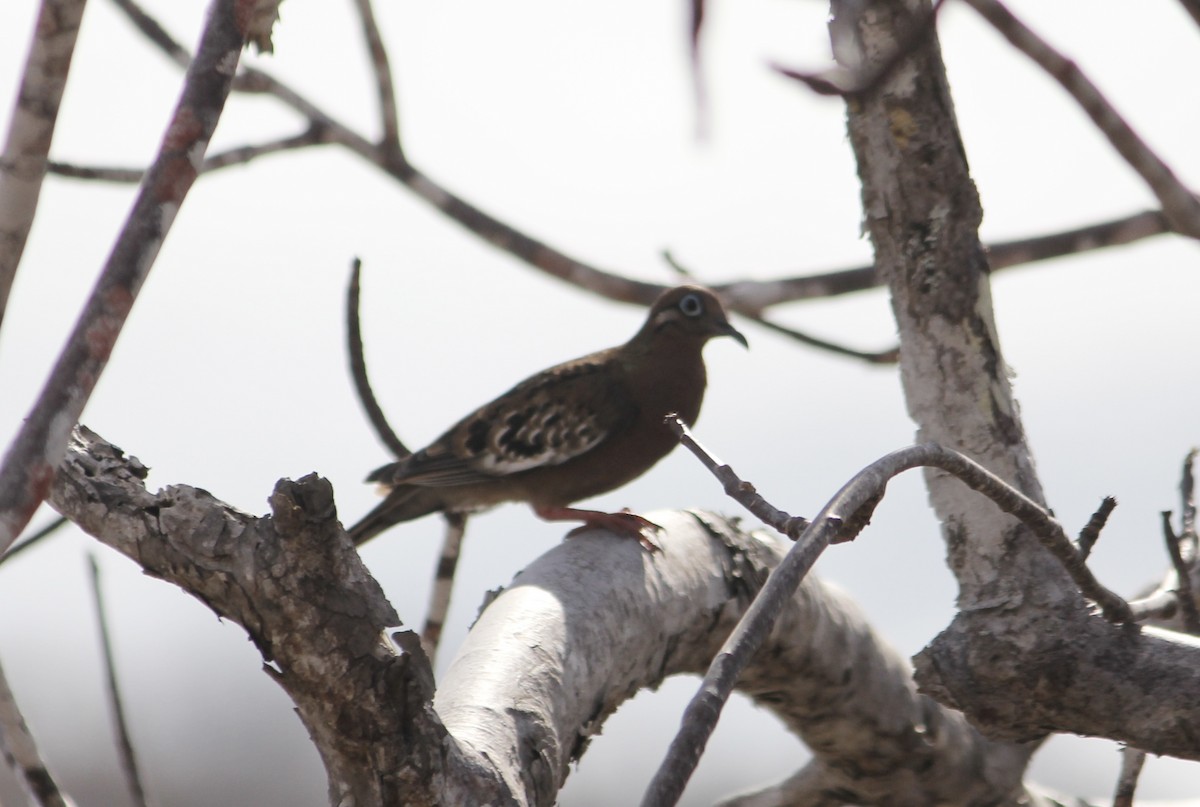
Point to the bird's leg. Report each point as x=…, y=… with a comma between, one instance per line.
x=625, y=523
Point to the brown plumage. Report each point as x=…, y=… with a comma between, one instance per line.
x=576, y=430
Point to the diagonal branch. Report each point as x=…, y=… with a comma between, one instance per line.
x=31, y=128
x=21, y=753
x=1180, y=205
x=28, y=465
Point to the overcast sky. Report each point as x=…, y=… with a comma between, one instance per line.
x=574, y=123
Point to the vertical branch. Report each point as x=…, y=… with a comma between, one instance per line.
x=28, y=466
x=443, y=584
x=1131, y=767
x=389, y=118
x=23, y=163
x=124, y=744
x=21, y=753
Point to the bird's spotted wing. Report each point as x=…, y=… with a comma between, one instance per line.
x=546, y=420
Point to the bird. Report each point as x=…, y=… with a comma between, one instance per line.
x=573, y=431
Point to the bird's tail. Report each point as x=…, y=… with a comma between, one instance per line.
x=401, y=504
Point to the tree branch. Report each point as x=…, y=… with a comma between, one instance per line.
x=31, y=128
x=125, y=751
x=295, y=583
x=390, y=144
x=1180, y=205
x=28, y=465
x=21, y=753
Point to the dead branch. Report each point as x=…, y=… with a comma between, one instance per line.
x=443, y=583
x=125, y=751
x=844, y=81
x=393, y=151
x=1131, y=767
x=21, y=753
x=358, y=368
x=28, y=465
x=34, y=539
x=1179, y=204
x=1091, y=531
x=295, y=583
x=31, y=128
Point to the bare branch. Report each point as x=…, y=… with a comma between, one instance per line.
x=28, y=466
x=33, y=540
x=21, y=753
x=240, y=155
x=1187, y=492
x=31, y=128
x=1091, y=531
x=883, y=357
x=1192, y=7
x=390, y=143
x=740, y=491
x=125, y=752
x=443, y=584
x=1183, y=578
x=157, y=35
x=1131, y=767
x=846, y=82
x=1180, y=205
x=358, y=369
x=295, y=583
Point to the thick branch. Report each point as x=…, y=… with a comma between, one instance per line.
x=295, y=583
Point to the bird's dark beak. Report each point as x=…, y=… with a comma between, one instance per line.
x=727, y=329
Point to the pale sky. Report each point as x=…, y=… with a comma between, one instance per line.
x=574, y=123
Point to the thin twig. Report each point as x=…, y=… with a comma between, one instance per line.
x=33, y=540
x=129, y=766
x=28, y=466
x=889, y=356
x=21, y=753
x=240, y=155
x=31, y=128
x=1180, y=205
x=358, y=369
x=1183, y=578
x=884, y=357
x=696, y=17
x=737, y=489
x=389, y=119
x=155, y=33
x=1131, y=767
x=443, y=584
x=700, y=716
x=844, y=82
x=1091, y=531
x=1187, y=492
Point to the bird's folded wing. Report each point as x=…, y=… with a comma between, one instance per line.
x=545, y=421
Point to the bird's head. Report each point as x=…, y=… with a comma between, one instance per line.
x=688, y=312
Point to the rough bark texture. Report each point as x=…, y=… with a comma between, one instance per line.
x=582, y=629
x=1024, y=657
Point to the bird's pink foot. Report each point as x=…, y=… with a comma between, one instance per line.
x=626, y=523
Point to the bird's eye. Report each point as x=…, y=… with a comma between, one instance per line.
x=691, y=305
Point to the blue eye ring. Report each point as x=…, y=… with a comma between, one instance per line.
x=691, y=305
